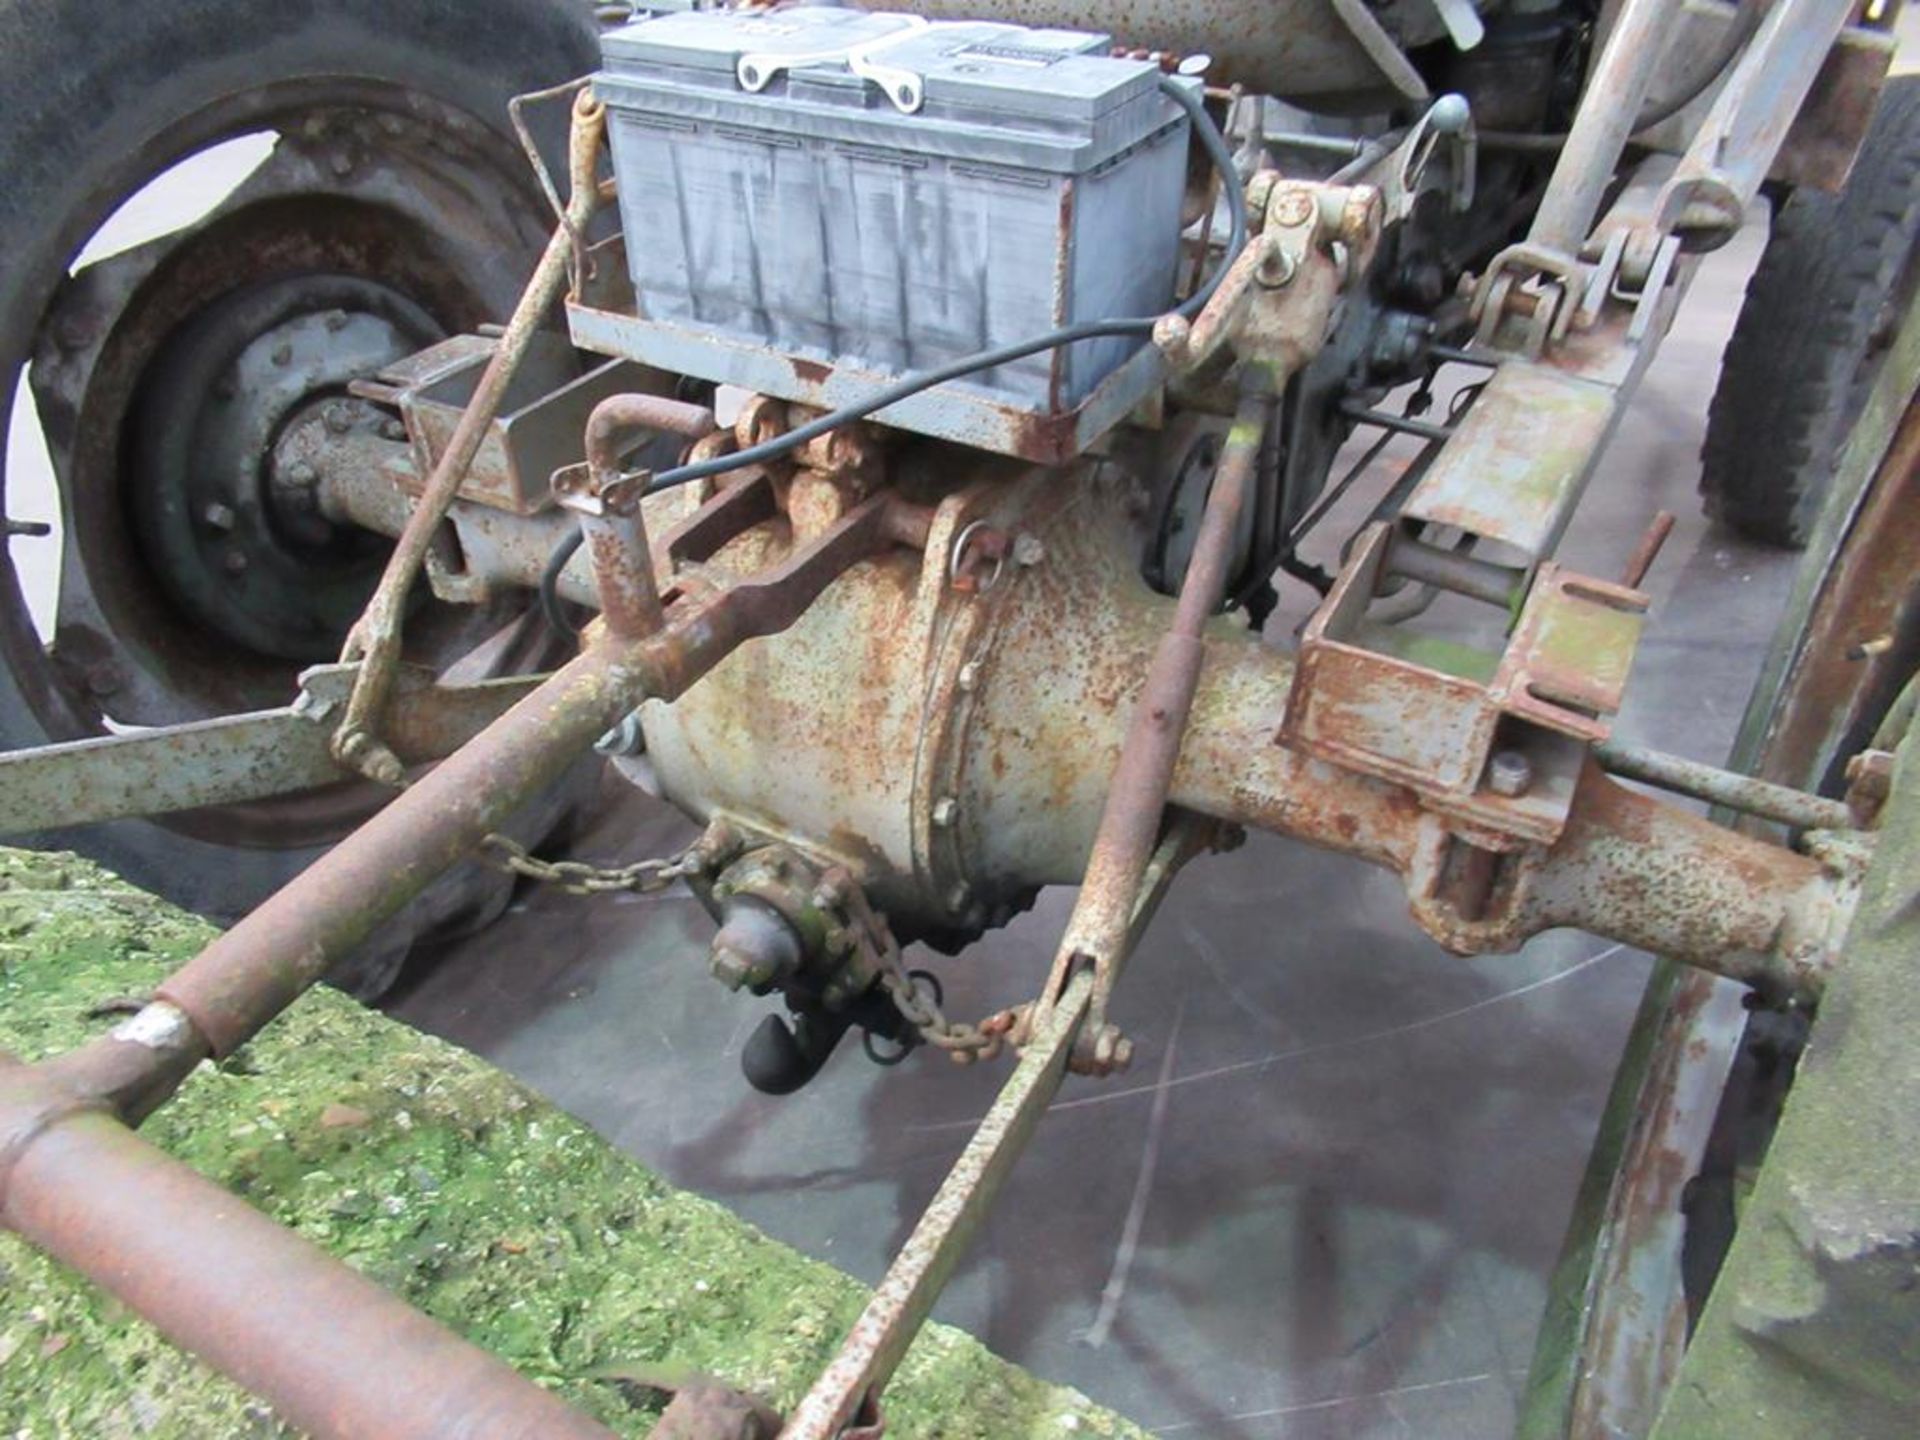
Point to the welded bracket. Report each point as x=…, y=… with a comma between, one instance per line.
x=1497, y=742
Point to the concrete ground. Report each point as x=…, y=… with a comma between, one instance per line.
x=1325, y=1200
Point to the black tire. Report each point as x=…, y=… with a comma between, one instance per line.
x=95, y=89
x=1837, y=271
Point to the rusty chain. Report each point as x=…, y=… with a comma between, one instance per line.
x=917, y=1005
x=716, y=845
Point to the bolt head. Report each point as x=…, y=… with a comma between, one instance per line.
x=1294, y=206
x=731, y=968
x=335, y=321
x=946, y=810
x=969, y=677
x=1028, y=550
x=339, y=419
x=1509, y=774
x=282, y=354
x=218, y=516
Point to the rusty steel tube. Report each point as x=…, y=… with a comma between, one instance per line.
x=332, y=1352
x=1743, y=793
x=1130, y=820
x=259, y=967
x=611, y=516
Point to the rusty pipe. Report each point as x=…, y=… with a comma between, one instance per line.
x=1742, y=793
x=616, y=418
x=376, y=636
x=1130, y=819
x=332, y=1352
x=612, y=520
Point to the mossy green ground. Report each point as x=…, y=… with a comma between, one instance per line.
x=450, y=1184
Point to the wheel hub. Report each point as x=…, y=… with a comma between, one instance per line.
x=234, y=541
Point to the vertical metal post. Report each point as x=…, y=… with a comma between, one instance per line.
x=1609, y=110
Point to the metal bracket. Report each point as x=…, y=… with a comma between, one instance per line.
x=1496, y=742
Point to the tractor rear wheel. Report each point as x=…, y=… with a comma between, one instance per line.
x=219, y=213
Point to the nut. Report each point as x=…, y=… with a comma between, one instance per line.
x=1509, y=773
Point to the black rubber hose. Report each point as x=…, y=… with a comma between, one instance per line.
x=1187, y=96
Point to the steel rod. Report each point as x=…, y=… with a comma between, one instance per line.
x=1402, y=424
x=1453, y=570
x=1762, y=798
x=376, y=637
x=905, y=1297
x=1131, y=817
x=1609, y=110
x=332, y=1352
x=255, y=970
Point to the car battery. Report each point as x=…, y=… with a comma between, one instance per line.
x=846, y=188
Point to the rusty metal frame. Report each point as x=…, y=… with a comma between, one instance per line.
x=1578, y=313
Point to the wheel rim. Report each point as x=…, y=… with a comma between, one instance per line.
x=194, y=581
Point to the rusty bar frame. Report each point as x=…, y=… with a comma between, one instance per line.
x=236, y=757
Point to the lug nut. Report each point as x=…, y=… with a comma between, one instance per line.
x=1509, y=773
x=946, y=810
x=218, y=516
x=336, y=321
x=339, y=418
x=282, y=354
